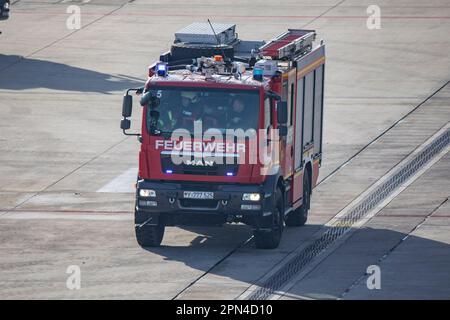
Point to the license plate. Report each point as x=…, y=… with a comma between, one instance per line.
x=198, y=195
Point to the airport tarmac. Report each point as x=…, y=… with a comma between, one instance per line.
x=66, y=196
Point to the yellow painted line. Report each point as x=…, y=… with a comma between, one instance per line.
x=288, y=74
x=310, y=67
x=306, y=69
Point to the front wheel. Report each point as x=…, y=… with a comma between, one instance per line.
x=149, y=235
x=271, y=239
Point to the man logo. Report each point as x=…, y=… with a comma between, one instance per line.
x=201, y=163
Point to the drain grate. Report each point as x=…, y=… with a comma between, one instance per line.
x=396, y=179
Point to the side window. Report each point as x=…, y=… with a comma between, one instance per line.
x=267, y=113
x=308, y=112
x=299, y=124
x=291, y=109
x=289, y=96
x=285, y=95
x=318, y=109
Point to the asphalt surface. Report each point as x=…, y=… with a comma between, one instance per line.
x=66, y=193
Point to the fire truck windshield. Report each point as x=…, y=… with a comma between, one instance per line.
x=210, y=108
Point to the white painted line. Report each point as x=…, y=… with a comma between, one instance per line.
x=123, y=183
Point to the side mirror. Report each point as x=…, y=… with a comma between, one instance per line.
x=125, y=124
x=282, y=112
x=127, y=106
x=282, y=131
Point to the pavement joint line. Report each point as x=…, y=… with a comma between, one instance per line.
x=395, y=246
x=335, y=231
x=340, y=242
x=124, y=10
x=250, y=288
x=320, y=258
x=324, y=13
x=66, y=175
x=382, y=133
x=212, y=267
x=62, y=38
x=43, y=48
x=251, y=238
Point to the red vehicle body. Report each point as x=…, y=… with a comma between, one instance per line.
x=280, y=84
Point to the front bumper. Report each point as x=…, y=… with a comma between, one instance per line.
x=226, y=206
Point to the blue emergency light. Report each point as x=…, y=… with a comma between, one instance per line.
x=162, y=69
x=258, y=74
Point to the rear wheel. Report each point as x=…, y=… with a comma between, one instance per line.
x=149, y=235
x=299, y=216
x=271, y=239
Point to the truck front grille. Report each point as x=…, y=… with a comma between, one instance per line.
x=199, y=169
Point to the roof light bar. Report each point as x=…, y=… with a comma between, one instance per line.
x=162, y=69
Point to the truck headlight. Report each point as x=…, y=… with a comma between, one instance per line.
x=147, y=193
x=251, y=197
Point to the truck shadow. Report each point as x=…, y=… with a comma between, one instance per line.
x=328, y=280
x=19, y=73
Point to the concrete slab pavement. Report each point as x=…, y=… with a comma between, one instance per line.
x=424, y=252
x=59, y=143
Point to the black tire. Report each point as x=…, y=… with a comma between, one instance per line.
x=299, y=216
x=180, y=51
x=271, y=239
x=150, y=236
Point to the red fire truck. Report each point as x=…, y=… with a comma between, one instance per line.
x=209, y=105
